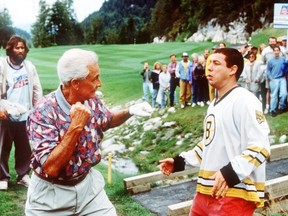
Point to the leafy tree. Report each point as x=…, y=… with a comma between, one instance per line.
x=41, y=31
x=112, y=37
x=94, y=33
x=131, y=32
x=57, y=25
x=6, y=30
x=61, y=23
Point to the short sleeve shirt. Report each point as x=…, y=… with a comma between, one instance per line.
x=48, y=123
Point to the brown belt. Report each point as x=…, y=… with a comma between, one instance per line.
x=66, y=182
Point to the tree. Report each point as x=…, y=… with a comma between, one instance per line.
x=94, y=33
x=57, y=25
x=6, y=30
x=42, y=36
x=131, y=32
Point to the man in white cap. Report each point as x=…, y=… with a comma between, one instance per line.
x=185, y=87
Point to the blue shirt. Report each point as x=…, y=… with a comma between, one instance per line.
x=274, y=70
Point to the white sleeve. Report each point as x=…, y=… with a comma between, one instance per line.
x=254, y=136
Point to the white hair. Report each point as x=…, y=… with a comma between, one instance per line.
x=194, y=55
x=73, y=64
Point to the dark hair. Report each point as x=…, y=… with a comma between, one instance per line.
x=232, y=57
x=272, y=37
x=278, y=47
x=13, y=41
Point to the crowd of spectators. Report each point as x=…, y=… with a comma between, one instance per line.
x=263, y=74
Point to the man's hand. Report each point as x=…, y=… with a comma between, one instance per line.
x=220, y=187
x=141, y=109
x=79, y=114
x=3, y=114
x=166, y=166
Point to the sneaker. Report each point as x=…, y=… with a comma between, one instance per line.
x=25, y=181
x=273, y=114
x=208, y=103
x=3, y=185
x=182, y=106
x=193, y=105
x=266, y=111
x=188, y=104
x=202, y=104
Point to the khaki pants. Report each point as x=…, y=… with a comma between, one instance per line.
x=86, y=198
x=185, y=92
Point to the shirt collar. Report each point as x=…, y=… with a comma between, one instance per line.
x=62, y=102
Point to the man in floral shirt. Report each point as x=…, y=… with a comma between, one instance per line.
x=65, y=130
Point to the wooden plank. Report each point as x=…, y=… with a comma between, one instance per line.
x=179, y=209
x=131, y=182
x=276, y=188
x=279, y=151
x=139, y=189
x=279, y=206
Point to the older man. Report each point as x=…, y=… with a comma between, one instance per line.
x=65, y=130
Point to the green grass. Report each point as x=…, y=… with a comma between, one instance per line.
x=120, y=67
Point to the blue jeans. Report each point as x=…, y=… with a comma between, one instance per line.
x=146, y=91
x=164, y=96
x=154, y=96
x=278, y=88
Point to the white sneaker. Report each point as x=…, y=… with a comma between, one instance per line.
x=266, y=111
x=193, y=105
x=208, y=103
x=182, y=106
x=25, y=181
x=3, y=185
x=202, y=104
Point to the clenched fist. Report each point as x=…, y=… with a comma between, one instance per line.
x=79, y=114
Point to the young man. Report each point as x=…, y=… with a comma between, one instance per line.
x=235, y=145
x=277, y=82
x=20, y=85
x=174, y=81
x=267, y=54
x=182, y=72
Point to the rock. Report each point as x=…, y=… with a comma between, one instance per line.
x=188, y=135
x=171, y=110
x=217, y=33
x=152, y=124
x=114, y=148
x=179, y=142
x=144, y=152
x=168, y=124
x=283, y=139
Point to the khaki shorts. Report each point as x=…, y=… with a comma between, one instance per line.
x=86, y=198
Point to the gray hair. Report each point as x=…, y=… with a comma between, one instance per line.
x=194, y=55
x=73, y=64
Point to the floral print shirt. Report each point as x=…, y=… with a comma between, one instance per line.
x=48, y=123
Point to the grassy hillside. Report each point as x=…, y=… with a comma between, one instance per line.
x=120, y=66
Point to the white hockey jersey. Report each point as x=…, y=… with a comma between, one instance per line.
x=235, y=134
